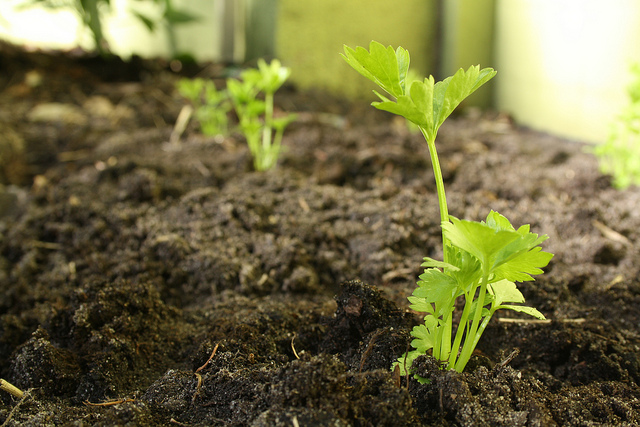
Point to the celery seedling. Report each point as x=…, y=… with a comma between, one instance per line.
x=619, y=155
x=210, y=104
x=261, y=129
x=482, y=260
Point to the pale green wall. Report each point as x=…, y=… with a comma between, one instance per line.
x=563, y=65
x=311, y=34
x=468, y=40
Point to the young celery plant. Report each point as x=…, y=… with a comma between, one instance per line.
x=482, y=260
x=210, y=104
x=261, y=129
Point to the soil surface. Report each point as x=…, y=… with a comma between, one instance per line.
x=149, y=280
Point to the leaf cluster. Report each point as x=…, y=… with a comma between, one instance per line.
x=619, y=155
x=423, y=102
x=210, y=104
x=485, y=260
x=251, y=96
x=261, y=129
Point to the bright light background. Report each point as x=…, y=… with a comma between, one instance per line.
x=61, y=29
x=563, y=65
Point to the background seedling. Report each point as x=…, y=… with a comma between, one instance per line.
x=262, y=130
x=210, y=105
x=482, y=260
x=620, y=154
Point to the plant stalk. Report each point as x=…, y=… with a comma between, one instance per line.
x=267, y=131
x=471, y=338
x=437, y=172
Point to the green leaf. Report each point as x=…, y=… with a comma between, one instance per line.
x=524, y=309
x=477, y=238
x=468, y=271
x=521, y=266
x=384, y=66
x=424, y=338
x=178, y=16
x=405, y=361
x=503, y=251
x=421, y=93
x=430, y=262
x=450, y=92
x=505, y=291
x=404, y=106
x=425, y=103
x=145, y=20
x=272, y=75
x=500, y=222
x=420, y=305
x=435, y=286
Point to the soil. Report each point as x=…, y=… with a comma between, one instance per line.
x=147, y=282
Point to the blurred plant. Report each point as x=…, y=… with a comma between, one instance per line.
x=90, y=13
x=210, y=104
x=262, y=130
x=619, y=156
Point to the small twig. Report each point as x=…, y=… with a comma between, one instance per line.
x=14, y=409
x=295, y=353
x=611, y=234
x=11, y=389
x=198, y=387
x=525, y=321
x=619, y=278
x=213, y=353
x=369, y=348
x=109, y=403
x=543, y=322
x=509, y=358
x=303, y=204
x=397, y=379
x=181, y=125
x=199, y=377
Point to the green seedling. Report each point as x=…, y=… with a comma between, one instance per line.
x=261, y=129
x=210, y=105
x=619, y=156
x=482, y=260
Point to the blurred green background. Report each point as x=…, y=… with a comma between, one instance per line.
x=563, y=65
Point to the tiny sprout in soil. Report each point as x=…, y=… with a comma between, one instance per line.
x=252, y=99
x=482, y=260
x=262, y=130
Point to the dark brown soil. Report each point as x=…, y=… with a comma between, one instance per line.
x=181, y=287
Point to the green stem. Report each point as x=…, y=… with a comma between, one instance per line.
x=268, y=124
x=442, y=198
x=461, y=328
x=472, y=337
x=443, y=351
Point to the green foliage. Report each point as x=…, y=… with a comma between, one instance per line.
x=425, y=103
x=90, y=13
x=210, y=104
x=482, y=260
x=619, y=156
x=261, y=129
